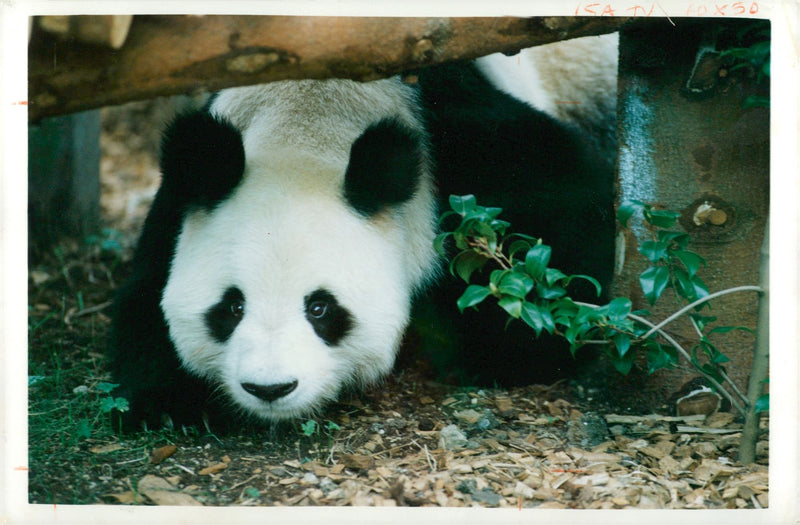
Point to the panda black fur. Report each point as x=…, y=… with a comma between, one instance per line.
x=294, y=227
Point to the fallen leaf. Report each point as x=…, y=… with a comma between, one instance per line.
x=213, y=469
x=358, y=461
x=162, y=453
x=105, y=449
x=161, y=492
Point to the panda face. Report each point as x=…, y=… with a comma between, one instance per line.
x=298, y=281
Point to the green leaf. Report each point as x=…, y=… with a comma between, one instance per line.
x=623, y=364
x=592, y=280
x=497, y=275
x=516, y=284
x=756, y=101
x=84, y=429
x=669, y=237
x=653, y=282
x=626, y=210
x=552, y=276
x=536, y=260
x=333, y=426
x=692, y=288
x=512, y=305
x=702, y=320
x=532, y=316
x=438, y=243
x=726, y=329
x=550, y=292
x=762, y=404
x=518, y=246
x=473, y=295
x=690, y=260
x=465, y=263
x=499, y=226
x=106, y=387
x=121, y=404
x=576, y=330
x=660, y=218
x=589, y=314
x=619, y=308
x=462, y=204
x=493, y=212
x=654, y=251
x=309, y=427
x=659, y=356
x=107, y=404
x=622, y=342
x=252, y=492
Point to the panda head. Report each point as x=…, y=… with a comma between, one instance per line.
x=306, y=224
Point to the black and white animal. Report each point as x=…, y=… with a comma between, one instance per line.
x=293, y=230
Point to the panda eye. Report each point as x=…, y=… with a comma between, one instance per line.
x=330, y=320
x=237, y=309
x=318, y=309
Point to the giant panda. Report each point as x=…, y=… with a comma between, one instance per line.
x=292, y=236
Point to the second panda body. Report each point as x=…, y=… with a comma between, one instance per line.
x=294, y=228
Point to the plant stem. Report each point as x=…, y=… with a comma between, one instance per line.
x=722, y=372
x=683, y=352
x=748, y=288
x=686, y=356
x=760, y=367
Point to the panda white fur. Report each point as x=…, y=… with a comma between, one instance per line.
x=293, y=230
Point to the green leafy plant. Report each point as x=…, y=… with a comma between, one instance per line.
x=750, y=55
x=528, y=289
x=109, y=403
x=311, y=428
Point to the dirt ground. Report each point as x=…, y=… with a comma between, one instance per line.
x=409, y=441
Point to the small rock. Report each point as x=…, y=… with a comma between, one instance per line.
x=587, y=430
x=705, y=449
x=426, y=424
x=327, y=485
x=503, y=404
x=486, y=496
x=469, y=416
x=309, y=479
x=468, y=486
x=523, y=490
x=451, y=438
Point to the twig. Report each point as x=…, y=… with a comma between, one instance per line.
x=241, y=483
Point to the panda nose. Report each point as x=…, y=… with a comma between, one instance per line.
x=270, y=393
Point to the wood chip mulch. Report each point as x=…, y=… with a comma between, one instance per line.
x=488, y=449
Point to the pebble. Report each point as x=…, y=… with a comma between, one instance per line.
x=327, y=485
x=309, y=479
x=451, y=437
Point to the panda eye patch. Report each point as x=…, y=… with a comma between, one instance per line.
x=329, y=319
x=222, y=318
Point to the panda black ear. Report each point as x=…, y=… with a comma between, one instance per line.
x=385, y=167
x=202, y=158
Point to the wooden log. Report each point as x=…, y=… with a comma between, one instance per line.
x=108, y=30
x=165, y=55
